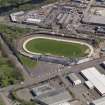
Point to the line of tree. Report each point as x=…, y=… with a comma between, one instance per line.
x=12, y=2
x=4, y=3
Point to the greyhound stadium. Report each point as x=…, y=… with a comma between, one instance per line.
x=42, y=45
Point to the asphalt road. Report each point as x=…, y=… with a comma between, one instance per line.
x=88, y=64
x=62, y=70
x=76, y=69
x=50, y=73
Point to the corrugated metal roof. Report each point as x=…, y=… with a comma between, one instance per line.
x=96, y=78
x=68, y=19
x=31, y=20
x=100, y=101
x=89, y=84
x=42, y=89
x=73, y=77
x=95, y=19
x=55, y=97
x=63, y=18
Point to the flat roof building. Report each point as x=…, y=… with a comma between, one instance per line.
x=89, y=84
x=42, y=89
x=96, y=78
x=100, y=101
x=56, y=97
x=64, y=17
x=94, y=19
x=74, y=79
x=13, y=16
x=31, y=20
x=68, y=19
x=59, y=16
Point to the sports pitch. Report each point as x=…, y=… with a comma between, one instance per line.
x=56, y=47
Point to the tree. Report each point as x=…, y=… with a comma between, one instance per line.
x=12, y=2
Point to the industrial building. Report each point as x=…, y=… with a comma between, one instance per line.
x=13, y=16
x=94, y=19
x=100, y=101
x=42, y=89
x=32, y=21
x=46, y=94
x=65, y=18
x=31, y=17
x=103, y=64
x=56, y=97
x=89, y=84
x=74, y=79
x=96, y=78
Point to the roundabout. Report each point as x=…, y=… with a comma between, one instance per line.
x=39, y=45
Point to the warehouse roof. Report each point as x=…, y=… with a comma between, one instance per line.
x=55, y=97
x=96, y=78
x=73, y=77
x=31, y=20
x=94, y=19
x=42, y=89
x=100, y=101
x=89, y=84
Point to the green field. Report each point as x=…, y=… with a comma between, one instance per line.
x=59, y=48
x=1, y=102
x=28, y=62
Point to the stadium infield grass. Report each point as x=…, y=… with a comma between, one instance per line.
x=58, y=48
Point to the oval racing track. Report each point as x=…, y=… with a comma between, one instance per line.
x=64, y=40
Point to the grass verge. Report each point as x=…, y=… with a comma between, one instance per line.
x=27, y=61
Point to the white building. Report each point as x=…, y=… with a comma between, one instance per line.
x=31, y=20
x=89, y=84
x=100, y=101
x=74, y=79
x=13, y=16
x=96, y=78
